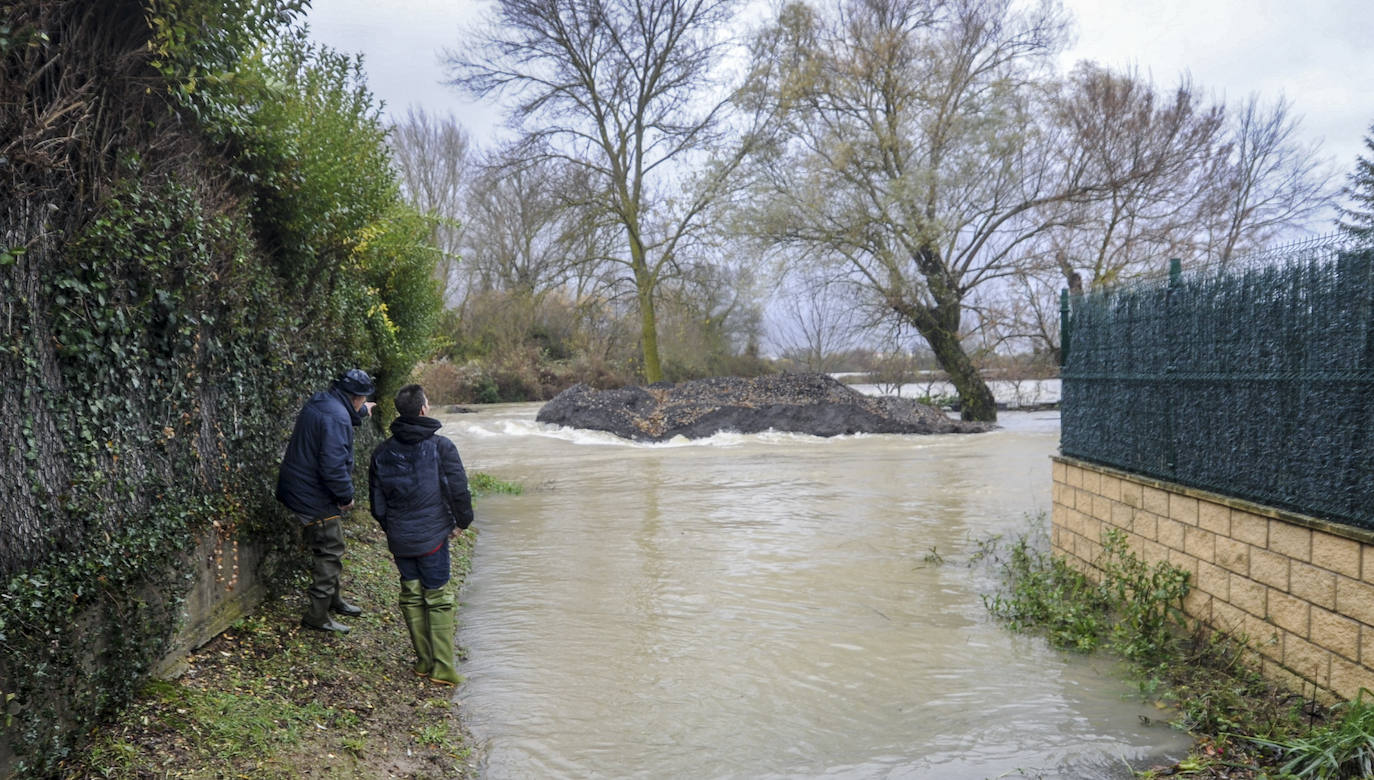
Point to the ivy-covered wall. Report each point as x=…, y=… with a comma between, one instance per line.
x=198, y=227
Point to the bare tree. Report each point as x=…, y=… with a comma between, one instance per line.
x=710, y=314
x=1028, y=311
x=434, y=158
x=1157, y=154
x=1271, y=181
x=626, y=90
x=525, y=233
x=820, y=324
x=894, y=366
x=918, y=155
x=1223, y=185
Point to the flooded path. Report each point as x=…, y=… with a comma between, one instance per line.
x=769, y=606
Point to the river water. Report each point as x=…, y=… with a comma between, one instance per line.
x=770, y=606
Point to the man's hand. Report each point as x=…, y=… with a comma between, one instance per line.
x=346, y=507
x=367, y=408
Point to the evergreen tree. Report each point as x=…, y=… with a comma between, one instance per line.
x=1358, y=219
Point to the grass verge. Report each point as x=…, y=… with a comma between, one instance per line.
x=1244, y=725
x=270, y=699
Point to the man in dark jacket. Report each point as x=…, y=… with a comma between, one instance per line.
x=316, y=483
x=420, y=497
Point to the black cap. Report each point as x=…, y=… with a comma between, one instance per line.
x=356, y=382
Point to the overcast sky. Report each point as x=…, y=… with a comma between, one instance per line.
x=1316, y=52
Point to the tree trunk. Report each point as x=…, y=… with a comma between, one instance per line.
x=975, y=399
x=648, y=331
x=940, y=328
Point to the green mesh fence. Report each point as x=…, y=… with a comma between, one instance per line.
x=1257, y=383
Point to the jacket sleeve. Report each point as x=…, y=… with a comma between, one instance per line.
x=454, y=484
x=336, y=460
x=376, y=497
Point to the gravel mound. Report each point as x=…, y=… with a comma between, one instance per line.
x=814, y=404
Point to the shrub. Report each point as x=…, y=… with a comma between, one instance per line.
x=443, y=382
x=1133, y=607
x=215, y=238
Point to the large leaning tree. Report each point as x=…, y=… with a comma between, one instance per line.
x=925, y=154
x=628, y=91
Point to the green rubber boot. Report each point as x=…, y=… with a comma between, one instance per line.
x=439, y=609
x=417, y=621
x=317, y=617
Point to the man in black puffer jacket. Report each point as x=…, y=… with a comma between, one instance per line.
x=420, y=497
x=316, y=483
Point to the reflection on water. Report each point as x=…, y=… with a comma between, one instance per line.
x=768, y=606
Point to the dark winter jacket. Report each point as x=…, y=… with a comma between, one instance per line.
x=316, y=475
x=418, y=487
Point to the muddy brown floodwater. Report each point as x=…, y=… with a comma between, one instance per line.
x=770, y=606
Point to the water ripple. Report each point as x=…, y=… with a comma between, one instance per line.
x=761, y=607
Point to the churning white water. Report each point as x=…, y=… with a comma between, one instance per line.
x=770, y=606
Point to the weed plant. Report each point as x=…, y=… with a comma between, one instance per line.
x=483, y=484
x=1128, y=606
x=269, y=699
x=1246, y=726
x=1343, y=748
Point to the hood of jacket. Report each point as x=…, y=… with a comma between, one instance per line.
x=412, y=430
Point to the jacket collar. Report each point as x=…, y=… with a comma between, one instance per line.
x=347, y=400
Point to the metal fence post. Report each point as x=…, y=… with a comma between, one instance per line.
x=1063, y=326
x=1170, y=366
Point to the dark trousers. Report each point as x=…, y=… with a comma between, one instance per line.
x=431, y=570
x=325, y=540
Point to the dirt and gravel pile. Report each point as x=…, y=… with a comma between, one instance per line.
x=814, y=404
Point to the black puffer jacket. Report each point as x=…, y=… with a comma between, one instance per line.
x=315, y=478
x=418, y=487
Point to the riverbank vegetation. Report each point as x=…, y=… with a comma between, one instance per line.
x=270, y=699
x=1245, y=726
x=534, y=361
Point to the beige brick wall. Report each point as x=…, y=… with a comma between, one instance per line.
x=1300, y=589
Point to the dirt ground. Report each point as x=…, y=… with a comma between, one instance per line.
x=271, y=699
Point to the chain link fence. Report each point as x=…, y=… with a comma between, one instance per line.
x=1255, y=382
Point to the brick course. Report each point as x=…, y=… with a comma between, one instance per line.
x=1300, y=589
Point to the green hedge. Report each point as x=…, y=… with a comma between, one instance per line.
x=203, y=229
